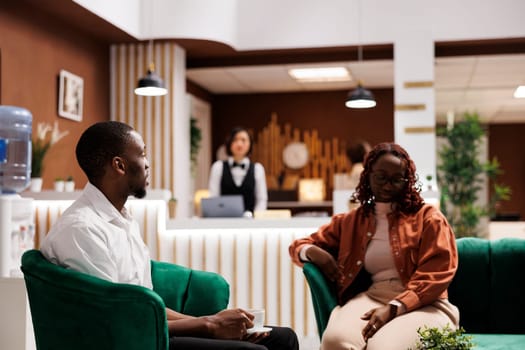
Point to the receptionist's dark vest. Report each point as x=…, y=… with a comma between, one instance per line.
x=247, y=188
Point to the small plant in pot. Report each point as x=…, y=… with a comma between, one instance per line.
x=59, y=184
x=172, y=208
x=69, y=186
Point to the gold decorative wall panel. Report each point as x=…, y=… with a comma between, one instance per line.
x=420, y=129
x=418, y=84
x=326, y=157
x=410, y=107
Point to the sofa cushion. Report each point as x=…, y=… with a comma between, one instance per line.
x=498, y=341
x=470, y=288
x=507, y=286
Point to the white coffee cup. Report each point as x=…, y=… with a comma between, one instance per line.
x=258, y=318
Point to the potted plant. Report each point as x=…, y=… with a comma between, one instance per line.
x=59, y=184
x=444, y=338
x=172, y=208
x=46, y=136
x=429, y=192
x=69, y=185
x=461, y=174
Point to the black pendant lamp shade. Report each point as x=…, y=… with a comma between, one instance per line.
x=360, y=98
x=151, y=84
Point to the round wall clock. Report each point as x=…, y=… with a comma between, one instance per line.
x=295, y=155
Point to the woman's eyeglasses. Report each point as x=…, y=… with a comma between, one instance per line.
x=382, y=179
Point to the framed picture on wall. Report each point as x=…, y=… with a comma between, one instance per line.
x=0, y=77
x=70, y=96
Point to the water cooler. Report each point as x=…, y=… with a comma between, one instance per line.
x=16, y=227
x=16, y=213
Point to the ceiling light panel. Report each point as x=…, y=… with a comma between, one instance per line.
x=320, y=74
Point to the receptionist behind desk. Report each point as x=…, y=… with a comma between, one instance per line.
x=238, y=175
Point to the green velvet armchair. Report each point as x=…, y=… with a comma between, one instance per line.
x=72, y=310
x=488, y=289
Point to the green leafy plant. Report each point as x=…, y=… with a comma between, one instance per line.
x=445, y=338
x=195, y=142
x=460, y=176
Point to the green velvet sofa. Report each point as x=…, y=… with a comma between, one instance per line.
x=72, y=310
x=488, y=289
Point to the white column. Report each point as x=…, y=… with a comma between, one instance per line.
x=181, y=135
x=414, y=116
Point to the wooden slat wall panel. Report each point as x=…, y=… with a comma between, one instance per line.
x=327, y=156
x=150, y=116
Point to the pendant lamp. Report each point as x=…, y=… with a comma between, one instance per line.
x=151, y=84
x=360, y=98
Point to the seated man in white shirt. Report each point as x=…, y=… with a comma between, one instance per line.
x=97, y=236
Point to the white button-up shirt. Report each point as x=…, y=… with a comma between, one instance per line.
x=93, y=237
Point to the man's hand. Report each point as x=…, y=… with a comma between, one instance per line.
x=377, y=317
x=255, y=337
x=230, y=324
x=324, y=261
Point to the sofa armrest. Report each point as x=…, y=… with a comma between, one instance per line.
x=188, y=291
x=73, y=310
x=208, y=293
x=323, y=293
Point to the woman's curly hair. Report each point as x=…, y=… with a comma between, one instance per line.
x=410, y=199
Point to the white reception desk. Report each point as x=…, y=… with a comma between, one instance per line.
x=252, y=255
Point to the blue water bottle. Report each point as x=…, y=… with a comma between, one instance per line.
x=15, y=149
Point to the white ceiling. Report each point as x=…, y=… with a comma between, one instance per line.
x=484, y=84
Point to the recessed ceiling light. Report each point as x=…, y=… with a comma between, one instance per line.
x=520, y=92
x=320, y=74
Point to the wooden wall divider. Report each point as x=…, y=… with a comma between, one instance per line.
x=326, y=157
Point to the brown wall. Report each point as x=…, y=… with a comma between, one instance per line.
x=34, y=48
x=505, y=143
x=324, y=111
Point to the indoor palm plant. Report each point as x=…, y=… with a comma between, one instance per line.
x=461, y=174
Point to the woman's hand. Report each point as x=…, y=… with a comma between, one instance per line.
x=230, y=324
x=377, y=317
x=324, y=261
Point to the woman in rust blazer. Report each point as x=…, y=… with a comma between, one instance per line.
x=392, y=259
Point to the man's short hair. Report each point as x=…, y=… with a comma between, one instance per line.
x=99, y=144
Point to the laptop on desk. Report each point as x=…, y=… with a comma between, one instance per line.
x=222, y=207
